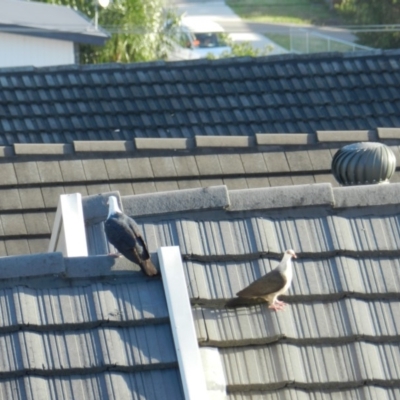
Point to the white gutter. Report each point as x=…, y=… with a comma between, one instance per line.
x=183, y=330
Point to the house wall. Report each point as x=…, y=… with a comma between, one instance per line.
x=19, y=50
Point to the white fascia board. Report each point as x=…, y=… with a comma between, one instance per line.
x=182, y=324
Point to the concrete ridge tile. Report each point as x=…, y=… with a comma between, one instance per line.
x=318, y=194
x=7, y=151
x=224, y=141
x=388, y=133
x=206, y=198
x=42, y=264
x=163, y=143
x=285, y=139
x=42, y=149
x=343, y=136
x=101, y=265
x=96, y=207
x=103, y=145
x=383, y=194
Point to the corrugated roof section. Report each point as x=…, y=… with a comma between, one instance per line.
x=339, y=335
x=93, y=327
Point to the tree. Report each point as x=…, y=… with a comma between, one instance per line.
x=374, y=12
x=137, y=28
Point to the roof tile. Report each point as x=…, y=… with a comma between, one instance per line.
x=36, y=223
x=31, y=198
x=231, y=164
x=118, y=169
x=10, y=200
x=342, y=136
x=299, y=161
x=235, y=183
x=13, y=224
x=72, y=170
x=162, y=167
x=27, y=172
x=95, y=170
x=7, y=174
x=276, y=162
x=208, y=165
x=49, y=171
x=140, y=167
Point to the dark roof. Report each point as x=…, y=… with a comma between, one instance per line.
x=32, y=176
x=240, y=97
x=107, y=312
x=75, y=328
x=51, y=21
x=340, y=334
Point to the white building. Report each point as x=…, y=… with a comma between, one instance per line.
x=39, y=34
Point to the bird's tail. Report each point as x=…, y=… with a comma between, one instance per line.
x=148, y=267
x=243, y=302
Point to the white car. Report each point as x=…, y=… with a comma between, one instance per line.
x=197, y=37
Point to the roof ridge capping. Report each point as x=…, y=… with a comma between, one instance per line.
x=367, y=195
x=207, y=198
x=95, y=206
x=56, y=265
x=42, y=264
x=318, y=194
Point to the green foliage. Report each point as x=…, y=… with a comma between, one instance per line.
x=246, y=49
x=243, y=49
x=374, y=12
x=137, y=27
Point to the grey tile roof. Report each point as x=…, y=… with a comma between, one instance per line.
x=235, y=97
x=346, y=316
x=32, y=176
x=84, y=328
x=339, y=337
x=49, y=21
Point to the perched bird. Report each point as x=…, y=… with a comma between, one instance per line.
x=268, y=287
x=124, y=234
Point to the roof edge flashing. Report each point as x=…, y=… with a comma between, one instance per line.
x=182, y=323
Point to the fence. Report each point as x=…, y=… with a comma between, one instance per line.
x=304, y=40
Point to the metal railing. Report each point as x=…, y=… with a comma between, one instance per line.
x=304, y=40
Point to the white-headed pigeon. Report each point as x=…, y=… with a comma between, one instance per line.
x=124, y=234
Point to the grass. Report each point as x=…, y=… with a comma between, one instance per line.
x=312, y=44
x=303, y=12
x=296, y=12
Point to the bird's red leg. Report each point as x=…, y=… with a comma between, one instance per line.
x=276, y=306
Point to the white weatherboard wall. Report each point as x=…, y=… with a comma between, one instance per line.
x=182, y=325
x=24, y=50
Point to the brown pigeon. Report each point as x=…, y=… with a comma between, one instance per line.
x=268, y=287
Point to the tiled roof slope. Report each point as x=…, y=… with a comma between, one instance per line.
x=243, y=96
x=83, y=328
x=32, y=176
x=339, y=336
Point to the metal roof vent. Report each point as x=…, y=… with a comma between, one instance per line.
x=363, y=164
